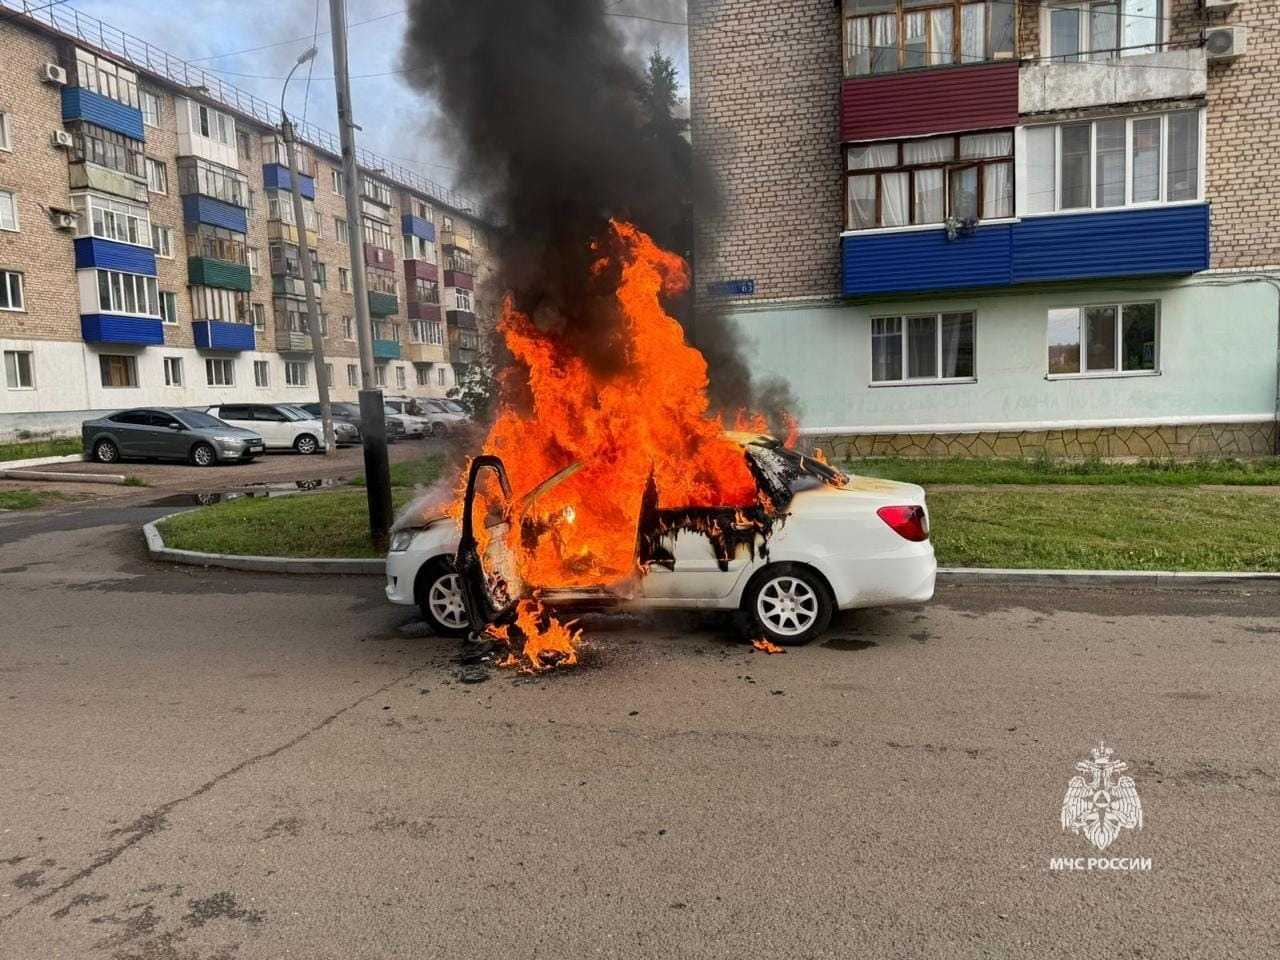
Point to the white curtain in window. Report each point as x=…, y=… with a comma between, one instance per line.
x=930, y=203
x=915, y=39
x=1146, y=160
x=862, y=202
x=997, y=190
x=894, y=192
x=977, y=146
x=884, y=47
x=973, y=32
x=859, y=46
x=1040, y=156
x=873, y=157
x=934, y=150
x=941, y=36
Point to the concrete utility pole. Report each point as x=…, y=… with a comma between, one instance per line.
x=373, y=427
x=304, y=263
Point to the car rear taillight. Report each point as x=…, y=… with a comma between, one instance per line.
x=908, y=522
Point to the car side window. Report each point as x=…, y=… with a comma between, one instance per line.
x=268, y=414
x=234, y=413
x=163, y=420
x=136, y=417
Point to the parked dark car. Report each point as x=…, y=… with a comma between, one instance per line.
x=350, y=413
x=166, y=433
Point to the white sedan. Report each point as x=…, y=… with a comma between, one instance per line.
x=845, y=542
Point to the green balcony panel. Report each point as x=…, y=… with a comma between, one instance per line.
x=383, y=304
x=203, y=272
x=386, y=349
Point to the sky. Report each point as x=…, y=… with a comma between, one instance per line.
x=253, y=45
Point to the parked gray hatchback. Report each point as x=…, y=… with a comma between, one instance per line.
x=166, y=433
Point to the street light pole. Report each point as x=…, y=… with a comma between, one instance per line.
x=304, y=263
x=373, y=426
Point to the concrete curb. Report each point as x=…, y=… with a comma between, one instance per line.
x=1164, y=579
x=304, y=565
x=48, y=476
x=40, y=461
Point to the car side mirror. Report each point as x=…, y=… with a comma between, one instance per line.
x=177, y=427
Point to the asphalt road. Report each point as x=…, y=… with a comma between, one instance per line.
x=216, y=766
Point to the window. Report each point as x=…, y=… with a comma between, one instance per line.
x=8, y=210
x=440, y=376
x=381, y=281
x=261, y=373
x=377, y=233
x=197, y=175
x=106, y=148
x=426, y=291
x=883, y=36
x=280, y=207
x=6, y=132
x=340, y=231
x=328, y=374
x=18, y=370
x=211, y=124
x=416, y=248
x=353, y=375
x=1113, y=162
x=220, y=373
x=254, y=264
x=107, y=78
x=462, y=298
x=348, y=329
x=162, y=241
x=112, y=219
x=924, y=181
x=460, y=261
x=259, y=317
x=150, y=108
x=168, y=306
x=118, y=371
x=339, y=183
x=157, y=176
x=376, y=191
x=928, y=347
x=295, y=373
x=244, y=143
x=215, y=303
x=128, y=293
x=173, y=371
x=435, y=332
x=400, y=380
x=11, y=290
x=1101, y=30
x=217, y=243
x=344, y=279
x=422, y=210
x=1104, y=338
x=380, y=374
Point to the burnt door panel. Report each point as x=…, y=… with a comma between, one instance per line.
x=491, y=583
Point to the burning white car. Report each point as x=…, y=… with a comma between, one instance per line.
x=830, y=542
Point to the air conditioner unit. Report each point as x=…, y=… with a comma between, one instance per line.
x=1223, y=43
x=62, y=219
x=52, y=73
x=62, y=140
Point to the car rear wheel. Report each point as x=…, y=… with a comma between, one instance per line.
x=306, y=444
x=105, y=451
x=788, y=604
x=203, y=455
x=440, y=600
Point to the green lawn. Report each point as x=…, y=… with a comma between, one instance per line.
x=26, y=499
x=30, y=449
x=1155, y=473
x=304, y=525
x=413, y=473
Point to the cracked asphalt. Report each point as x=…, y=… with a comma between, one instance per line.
x=208, y=765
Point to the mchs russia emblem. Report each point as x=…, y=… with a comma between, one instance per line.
x=1101, y=802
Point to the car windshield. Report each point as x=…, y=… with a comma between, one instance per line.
x=453, y=406
x=294, y=413
x=199, y=421
x=782, y=472
x=390, y=410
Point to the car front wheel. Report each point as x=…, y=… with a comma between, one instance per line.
x=203, y=455
x=105, y=451
x=788, y=604
x=440, y=600
x=306, y=444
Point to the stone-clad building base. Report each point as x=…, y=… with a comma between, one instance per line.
x=1177, y=442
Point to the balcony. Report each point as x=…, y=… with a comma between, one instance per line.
x=939, y=100
x=380, y=258
x=420, y=270
x=90, y=176
x=1136, y=242
x=412, y=226
x=459, y=278
x=383, y=304
x=275, y=176
x=219, y=335
x=283, y=286
x=197, y=209
x=1165, y=75
x=287, y=232
x=386, y=349
x=451, y=237
x=462, y=319
x=293, y=341
x=425, y=352
x=80, y=103
x=92, y=252
x=204, y=272
x=421, y=310
x=114, y=328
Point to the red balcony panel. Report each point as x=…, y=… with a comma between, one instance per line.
x=379, y=257
x=420, y=270
x=423, y=311
x=456, y=278
x=941, y=100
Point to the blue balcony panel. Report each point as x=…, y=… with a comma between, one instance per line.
x=111, y=255
x=386, y=349
x=79, y=103
x=412, y=226
x=114, y=328
x=217, y=213
x=275, y=176
x=1079, y=246
x=220, y=335
x=1114, y=243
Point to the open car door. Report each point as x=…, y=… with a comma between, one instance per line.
x=491, y=584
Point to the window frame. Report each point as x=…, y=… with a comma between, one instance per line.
x=167, y=317
x=222, y=364
x=1085, y=32
x=290, y=369
x=149, y=118
x=6, y=132
x=263, y=382
x=904, y=365
x=163, y=250
x=8, y=278
x=171, y=365
x=1084, y=373
x=87, y=203
x=141, y=283
x=13, y=210
x=130, y=365
x=31, y=369
x=900, y=11
x=152, y=164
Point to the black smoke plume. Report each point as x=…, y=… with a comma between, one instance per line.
x=545, y=112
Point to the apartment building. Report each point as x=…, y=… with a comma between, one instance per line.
x=149, y=249
x=1011, y=228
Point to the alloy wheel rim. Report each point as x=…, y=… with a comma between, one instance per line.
x=306, y=445
x=203, y=457
x=787, y=605
x=445, y=601
x=106, y=452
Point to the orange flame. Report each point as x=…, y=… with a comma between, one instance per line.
x=765, y=646
x=547, y=642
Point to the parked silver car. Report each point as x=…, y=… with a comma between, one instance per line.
x=166, y=433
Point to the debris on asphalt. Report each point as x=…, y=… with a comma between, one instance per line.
x=415, y=628
x=472, y=675
x=765, y=646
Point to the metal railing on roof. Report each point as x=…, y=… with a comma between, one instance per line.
x=88, y=29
